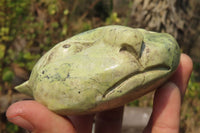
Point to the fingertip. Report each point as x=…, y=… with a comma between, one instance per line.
x=187, y=62
x=15, y=114
x=167, y=101
x=185, y=67
x=166, y=110
x=35, y=117
x=11, y=111
x=18, y=108
x=165, y=97
x=182, y=74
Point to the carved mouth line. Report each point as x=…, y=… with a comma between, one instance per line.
x=148, y=69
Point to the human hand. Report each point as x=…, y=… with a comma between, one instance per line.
x=165, y=116
x=167, y=100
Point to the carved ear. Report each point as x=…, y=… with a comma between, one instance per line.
x=25, y=88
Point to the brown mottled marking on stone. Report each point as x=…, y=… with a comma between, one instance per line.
x=66, y=46
x=50, y=57
x=135, y=36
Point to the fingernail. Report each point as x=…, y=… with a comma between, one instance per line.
x=166, y=89
x=18, y=120
x=171, y=85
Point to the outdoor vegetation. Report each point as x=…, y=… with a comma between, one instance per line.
x=29, y=28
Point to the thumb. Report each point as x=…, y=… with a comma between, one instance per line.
x=37, y=118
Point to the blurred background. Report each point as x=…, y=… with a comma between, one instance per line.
x=29, y=28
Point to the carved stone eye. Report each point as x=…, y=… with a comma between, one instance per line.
x=132, y=50
x=128, y=48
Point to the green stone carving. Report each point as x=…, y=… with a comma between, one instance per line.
x=102, y=69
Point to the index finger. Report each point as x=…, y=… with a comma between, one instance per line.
x=183, y=72
x=167, y=101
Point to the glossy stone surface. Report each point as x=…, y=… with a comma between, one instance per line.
x=101, y=69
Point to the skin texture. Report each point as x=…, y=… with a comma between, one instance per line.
x=102, y=69
x=164, y=119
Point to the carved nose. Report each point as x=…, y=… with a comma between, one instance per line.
x=160, y=49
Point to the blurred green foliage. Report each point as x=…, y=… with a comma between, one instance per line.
x=7, y=75
x=191, y=105
x=113, y=19
x=30, y=28
x=12, y=14
x=2, y=51
x=27, y=30
x=11, y=128
x=193, y=88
